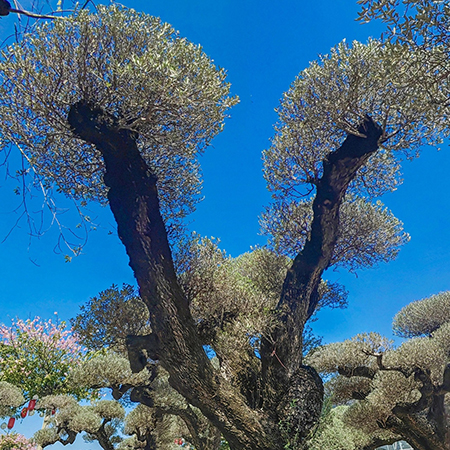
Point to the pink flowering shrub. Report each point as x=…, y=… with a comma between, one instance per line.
x=36, y=356
x=15, y=441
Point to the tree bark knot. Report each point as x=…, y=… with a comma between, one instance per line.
x=95, y=126
x=301, y=407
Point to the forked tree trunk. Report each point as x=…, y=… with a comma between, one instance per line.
x=292, y=393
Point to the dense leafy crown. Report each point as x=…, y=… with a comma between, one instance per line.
x=423, y=317
x=134, y=67
x=397, y=87
x=330, y=99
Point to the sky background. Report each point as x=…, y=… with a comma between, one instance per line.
x=263, y=45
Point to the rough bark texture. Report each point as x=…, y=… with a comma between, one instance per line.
x=282, y=356
x=292, y=393
x=134, y=202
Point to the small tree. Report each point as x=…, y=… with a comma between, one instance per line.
x=36, y=356
x=15, y=441
x=99, y=421
x=396, y=393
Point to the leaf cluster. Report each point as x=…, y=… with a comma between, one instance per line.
x=376, y=380
x=108, y=318
x=131, y=65
x=422, y=317
x=37, y=356
x=368, y=233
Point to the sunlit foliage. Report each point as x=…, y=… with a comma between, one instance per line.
x=108, y=318
x=131, y=65
x=368, y=233
x=383, y=385
x=422, y=317
x=36, y=357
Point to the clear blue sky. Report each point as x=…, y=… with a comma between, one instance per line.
x=263, y=45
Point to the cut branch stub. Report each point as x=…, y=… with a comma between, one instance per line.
x=5, y=7
x=140, y=348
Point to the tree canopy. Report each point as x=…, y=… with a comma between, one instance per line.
x=154, y=82
x=115, y=106
x=394, y=393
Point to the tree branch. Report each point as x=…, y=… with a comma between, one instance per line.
x=299, y=296
x=5, y=9
x=281, y=357
x=134, y=202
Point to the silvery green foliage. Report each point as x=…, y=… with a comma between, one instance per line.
x=422, y=23
x=336, y=434
x=233, y=300
x=330, y=99
x=342, y=388
x=351, y=353
x=105, y=320
x=131, y=443
x=422, y=317
x=379, y=376
x=72, y=417
x=129, y=64
x=368, y=233
x=109, y=369
x=46, y=436
x=109, y=409
x=10, y=398
x=139, y=420
x=64, y=402
x=142, y=421
x=85, y=420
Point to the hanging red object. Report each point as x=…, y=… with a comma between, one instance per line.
x=11, y=422
x=31, y=405
x=23, y=413
x=53, y=412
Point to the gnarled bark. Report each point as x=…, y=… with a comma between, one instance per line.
x=134, y=202
x=292, y=393
x=282, y=356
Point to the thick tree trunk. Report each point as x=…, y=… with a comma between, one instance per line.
x=134, y=202
x=293, y=393
x=282, y=356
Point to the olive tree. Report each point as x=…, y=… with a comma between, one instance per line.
x=115, y=107
x=395, y=393
x=103, y=325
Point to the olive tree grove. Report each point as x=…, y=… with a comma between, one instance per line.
x=114, y=107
